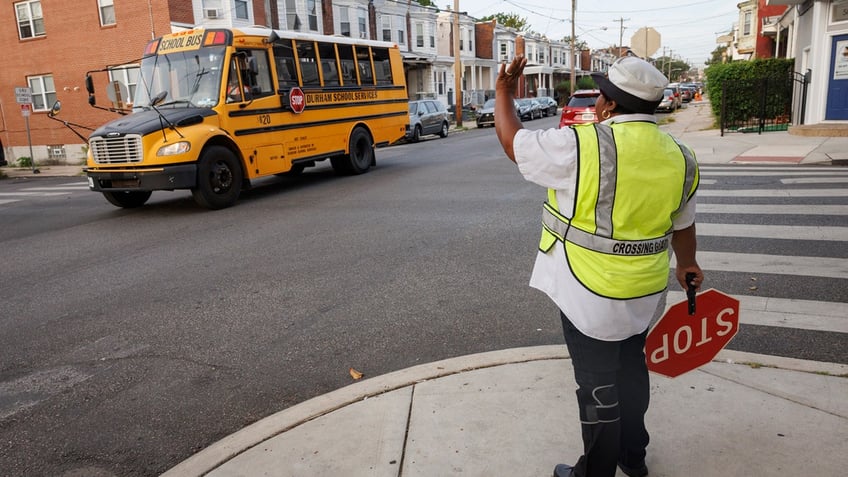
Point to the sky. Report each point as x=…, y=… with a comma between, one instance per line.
x=687, y=28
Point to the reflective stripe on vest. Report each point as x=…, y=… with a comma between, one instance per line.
x=618, y=250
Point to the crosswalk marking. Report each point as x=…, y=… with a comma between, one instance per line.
x=816, y=180
x=772, y=209
x=754, y=263
x=789, y=232
x=8, y=201
x=30, y=194
x=785, y=313
x=744, y=170
x=770, y=173
x=58, y=188
x=774, y=193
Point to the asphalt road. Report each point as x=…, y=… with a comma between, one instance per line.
x=130, y=339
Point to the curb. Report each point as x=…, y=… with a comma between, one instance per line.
x=229, y=447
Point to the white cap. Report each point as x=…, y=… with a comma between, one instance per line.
x=633, y=83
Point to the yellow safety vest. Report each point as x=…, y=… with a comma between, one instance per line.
x=632, y=180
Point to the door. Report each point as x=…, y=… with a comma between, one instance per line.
x=837, y=86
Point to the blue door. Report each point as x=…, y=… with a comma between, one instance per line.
x=837, y=87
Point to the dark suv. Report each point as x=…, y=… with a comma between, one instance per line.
x=427, y=116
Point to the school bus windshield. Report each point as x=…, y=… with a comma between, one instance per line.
x=190, y=78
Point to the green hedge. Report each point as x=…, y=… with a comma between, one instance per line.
x=748, y=78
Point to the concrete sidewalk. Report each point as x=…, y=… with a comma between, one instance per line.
x=513, y=413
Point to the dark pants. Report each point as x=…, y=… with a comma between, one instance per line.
x=613, y=393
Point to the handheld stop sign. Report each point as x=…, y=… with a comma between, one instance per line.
x=680, y=342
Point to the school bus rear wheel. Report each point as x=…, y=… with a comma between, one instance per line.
x=361, y=155
x=127, y=199
x=219, y=178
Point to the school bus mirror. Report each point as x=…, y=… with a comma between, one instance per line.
x=91, y=100
x=284, y=100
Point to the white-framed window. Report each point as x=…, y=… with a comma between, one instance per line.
x=401, y=37
x=312, y=13
x=30, y=19
x=128, y=75
x=432, y=38
x=419, y=35
x=292, y=19
x=542, y=55
x=107, y=12
x=746, y=26
x=212, y=9
x=43, y=92
x=468, y=37
x=440, y=78
x=503, y=48
x=363, y=29
x=387, y=27
x=242, y=11
x=344, y=21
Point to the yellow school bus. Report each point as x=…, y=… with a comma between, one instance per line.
x=214, y=109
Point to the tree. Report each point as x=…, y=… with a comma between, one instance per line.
x=718, y=55
x=510, y=20
x=425, y=3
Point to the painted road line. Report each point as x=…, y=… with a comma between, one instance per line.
x=766, y=168
x=827, y=267
x=772, y=209
x=712, y=173
x=785, y=313
x=8, y=201
x=787, y=232
x=30, y=194
x=816, y=180
x=774, y=193
x=57, y=188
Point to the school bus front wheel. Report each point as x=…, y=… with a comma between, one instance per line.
x=219, y=178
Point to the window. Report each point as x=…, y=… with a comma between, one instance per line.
x=308, y=63
x=363, y=31
x=286, y=70
x=348, y=64
x=401, y=37
x=504, y=53
x=344, y=19
x=30, y=19
x=107, y=12
x=363, y=60
x=387, y=28
x=56, y=151
x=440, y=78
x=382, y=65
x=432, y=39
x=128, y=76
x=292, y=19
x=329, y=68
x=419, y=35
x=746, y=28
x=242, y=10
x=312, y=13
x=43, y=92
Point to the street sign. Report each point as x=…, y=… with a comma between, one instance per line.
x=680, y=342
x=297, y=100
x=25, y=112
x=23, y=95
x=645, y=42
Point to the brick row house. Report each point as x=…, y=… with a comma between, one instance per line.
x=56, y=42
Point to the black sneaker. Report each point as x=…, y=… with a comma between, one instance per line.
x=638, y=471
x=563, y=470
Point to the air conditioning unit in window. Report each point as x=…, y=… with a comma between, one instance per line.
x=211, y=13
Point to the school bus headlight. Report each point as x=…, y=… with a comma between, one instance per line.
x=173, y=149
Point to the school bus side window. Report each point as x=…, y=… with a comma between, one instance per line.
x=347, y=63
x=308, y=63
x=382, y=65
x=363, y=59
x=329, y=67
x=262, y=84
x=286, y=69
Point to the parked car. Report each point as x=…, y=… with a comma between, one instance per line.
x=580, y=108
x=427, y=116
x=678, y=95
x=669, y=101
x=529, y=109
x=486, y=113
x=548, y=104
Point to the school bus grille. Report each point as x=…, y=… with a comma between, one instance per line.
x=116, y=150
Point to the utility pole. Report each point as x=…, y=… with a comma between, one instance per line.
x=457, y=65
x=573, y=48
x=621, y=34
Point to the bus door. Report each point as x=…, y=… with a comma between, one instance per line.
x=251, y=106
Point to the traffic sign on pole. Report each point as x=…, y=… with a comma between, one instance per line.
x=23, y=95
x=680, y=342
x=645, y=42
